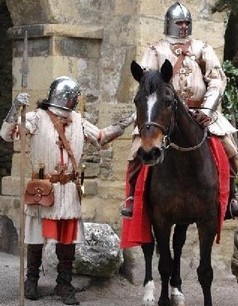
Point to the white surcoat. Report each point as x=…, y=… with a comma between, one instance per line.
x=200, y=75
x=43, y=148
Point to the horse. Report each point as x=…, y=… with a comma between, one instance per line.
x=181, y=186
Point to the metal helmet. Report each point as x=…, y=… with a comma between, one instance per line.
x=177, y=13
x=63, y=93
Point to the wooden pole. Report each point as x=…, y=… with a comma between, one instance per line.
x=24, y=72
x=22, y=190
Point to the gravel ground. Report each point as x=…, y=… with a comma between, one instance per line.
x=116, y=291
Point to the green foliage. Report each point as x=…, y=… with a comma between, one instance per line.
x=230, y=98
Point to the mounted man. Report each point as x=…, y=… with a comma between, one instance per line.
x=200, y=82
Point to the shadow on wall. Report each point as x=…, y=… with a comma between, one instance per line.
x=8, y=236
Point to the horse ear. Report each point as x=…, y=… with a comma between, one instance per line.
x=166, y=71
x=136, y=71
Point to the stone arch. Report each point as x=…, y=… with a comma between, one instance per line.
x=51, y=11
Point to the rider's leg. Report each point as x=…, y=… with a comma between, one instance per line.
x=232, y=209
x=232, y=154
x=134, y=167
x=133, y=170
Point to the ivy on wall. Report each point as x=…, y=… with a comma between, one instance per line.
x=230, y=98
x=230, y=64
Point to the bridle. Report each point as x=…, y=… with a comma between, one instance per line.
x=166, y=141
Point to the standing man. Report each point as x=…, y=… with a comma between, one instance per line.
x=199, y=81
x=56, y=160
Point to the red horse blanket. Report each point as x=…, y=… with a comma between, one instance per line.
x=137, y=230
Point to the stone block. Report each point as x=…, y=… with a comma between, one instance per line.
x=89, y=208
x=100, y=256
x=111, y=189
x=10, y=206
x=108, y=210
x=124, y=7
x=16, y=163
x=121, y=148
x=52, y=12
x=91, y=187
x=110, y=113
x=11, y=185
x=92, y=170
x=36, y=81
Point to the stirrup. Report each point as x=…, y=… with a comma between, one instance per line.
x=233, y=208
x=127, y=210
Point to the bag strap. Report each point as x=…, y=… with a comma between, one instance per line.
x=60, y=129
x=183, y=49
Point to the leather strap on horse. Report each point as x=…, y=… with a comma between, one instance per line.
x=182, y=51
x=60, y=129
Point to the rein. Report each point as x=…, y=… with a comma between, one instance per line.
x=188, y=149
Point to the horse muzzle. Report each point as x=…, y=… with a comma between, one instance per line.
x=151, y=157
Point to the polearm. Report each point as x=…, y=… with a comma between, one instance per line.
x=24, y=72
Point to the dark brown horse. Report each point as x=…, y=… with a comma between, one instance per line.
x=182, y=184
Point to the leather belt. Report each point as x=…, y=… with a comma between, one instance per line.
x=194, y=103
x=62, y=178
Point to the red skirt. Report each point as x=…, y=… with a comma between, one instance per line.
x=63, y=231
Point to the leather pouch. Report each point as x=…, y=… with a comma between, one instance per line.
x=39, y=192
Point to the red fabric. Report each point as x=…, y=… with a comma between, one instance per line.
x=64, y=231
x=137, y=230
x=224, y=179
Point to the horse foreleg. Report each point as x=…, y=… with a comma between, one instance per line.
x=149, y=287
x=207, y=234
x=179, y=238
x=165, y=266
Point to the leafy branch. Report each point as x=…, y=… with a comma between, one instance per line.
x=230, y=97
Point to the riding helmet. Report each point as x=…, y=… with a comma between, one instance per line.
x=63, y=93
x=177, y=13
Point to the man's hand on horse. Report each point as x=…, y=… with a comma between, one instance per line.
x=201, y=118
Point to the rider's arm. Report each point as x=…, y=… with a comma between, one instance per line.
x=215, y=79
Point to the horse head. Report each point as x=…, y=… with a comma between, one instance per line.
x=155, y=104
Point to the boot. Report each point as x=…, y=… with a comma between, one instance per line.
x=127, y=210
x=134, y=168
x=232, y=208
x=34, y=260
x=65, y=254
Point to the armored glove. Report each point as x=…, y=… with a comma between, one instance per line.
x=21, y=99
x=201, y=118
x=101, y=138
x=212, y=100
x=111, y=132
x=91, y=132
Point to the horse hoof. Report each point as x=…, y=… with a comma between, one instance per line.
x=149, y=298
x=177, y=298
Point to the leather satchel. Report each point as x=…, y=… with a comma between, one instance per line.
x=39, y=192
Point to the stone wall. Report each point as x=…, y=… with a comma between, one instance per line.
x=5, y=85
x=93, y=41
